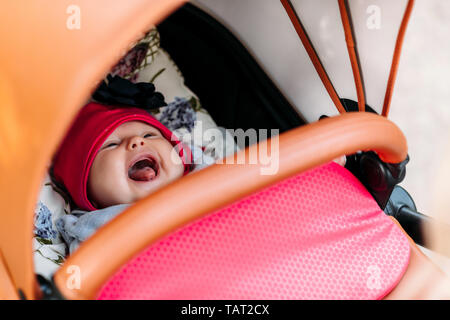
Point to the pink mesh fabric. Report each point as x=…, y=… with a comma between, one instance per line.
x=318, y=235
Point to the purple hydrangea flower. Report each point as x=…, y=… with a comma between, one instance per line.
x=178, y=114
x=43, y=222
x=127, y=66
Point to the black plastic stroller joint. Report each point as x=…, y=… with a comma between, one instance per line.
x=49, y=290
x=377, y=176
x=402, y=207
x=352, y=106
x=381, y=180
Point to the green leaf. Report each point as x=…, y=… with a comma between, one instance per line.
x=157, y=74
x=59, y=261
x=195, y=104
x=44, y=241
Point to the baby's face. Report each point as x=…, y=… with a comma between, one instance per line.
x=134, y=161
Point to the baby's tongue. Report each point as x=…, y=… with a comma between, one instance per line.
x=142, y=171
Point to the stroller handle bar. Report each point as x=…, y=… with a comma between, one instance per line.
x=183, y=201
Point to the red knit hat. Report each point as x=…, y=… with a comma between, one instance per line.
x=92, y=126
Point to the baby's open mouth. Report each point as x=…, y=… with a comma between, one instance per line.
x=145, y=169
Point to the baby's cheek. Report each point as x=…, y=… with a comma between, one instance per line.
x=112, y=190
x=119, y=183
x=108, y=180
x=180, y=170
x=169, y=156
x=176, y=166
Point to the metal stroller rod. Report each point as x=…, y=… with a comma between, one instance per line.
x=348, y=30
x=346, y=23
x=396, y=58
x=313, y=55
x=402, y=207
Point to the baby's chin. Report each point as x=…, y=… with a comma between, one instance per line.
x=126, y=194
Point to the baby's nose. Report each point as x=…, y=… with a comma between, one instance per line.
x=135, y=142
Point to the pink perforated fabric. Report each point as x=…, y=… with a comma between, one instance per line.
x=318, y=235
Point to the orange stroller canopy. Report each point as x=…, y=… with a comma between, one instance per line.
x=51, y=60
x=48, y=67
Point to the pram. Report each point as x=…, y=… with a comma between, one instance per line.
x=44, y=114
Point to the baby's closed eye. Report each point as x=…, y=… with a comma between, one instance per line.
x=151, y=134
x=110, y=144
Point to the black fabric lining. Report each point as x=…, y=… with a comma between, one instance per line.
x=231, y=86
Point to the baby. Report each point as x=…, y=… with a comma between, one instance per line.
x=110, y=158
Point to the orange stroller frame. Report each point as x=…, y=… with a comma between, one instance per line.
x=34, y=115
